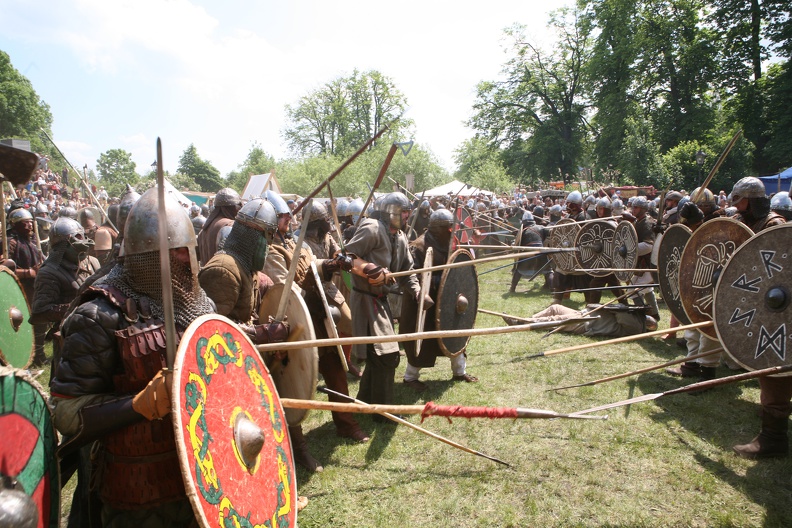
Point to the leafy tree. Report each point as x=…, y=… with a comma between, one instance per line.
x=116, y=169
x=343, y=114
x=22, y=113
x=539, y=110
x=257, y=162
x=480, y=165
x=202, y=172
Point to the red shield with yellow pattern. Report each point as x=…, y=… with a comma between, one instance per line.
x=231, y=432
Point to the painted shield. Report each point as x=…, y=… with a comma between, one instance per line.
x=595, y=247
x=625, y=250
x=668, y=259
x=329, y=324
x=456, y=305
x=28, y=462
x=426, y=283
x=231, y=432
x=463, y=225
x=752, y=309
x=16, y=334
x=563, y=236
x=706, y=253
x=295, y=375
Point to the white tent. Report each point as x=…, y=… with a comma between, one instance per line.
x=258, y=184
x=455, y=188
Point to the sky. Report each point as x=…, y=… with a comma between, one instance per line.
x=219, y=74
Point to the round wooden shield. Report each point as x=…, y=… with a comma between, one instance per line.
x=595, y=247
x=27, y=453
x=625, y=250
x=706, y=253
x=563, y=235
x=16, y=334
x=456, y=306
x=668, y=258
x=752, y=312
x=464, y=226
x=231, y=432
x=296, y=375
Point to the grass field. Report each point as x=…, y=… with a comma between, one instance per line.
x=655, y=464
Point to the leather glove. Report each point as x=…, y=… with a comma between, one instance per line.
x=345, y=262
x=376, y=275
x=154, y=402
x=628, y=217
x=29, y=273
x=428, y=302
x=329, y=266
x=272, y=332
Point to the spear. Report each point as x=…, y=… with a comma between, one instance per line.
x=420, y=429
x=381, y=175
x=164, y=258
x=640, y=371
x=718, y=163
x=605, y=288
x=473, y=262
x=620, y=339
x=693, y=387
x=512, y=264
x=431, y=409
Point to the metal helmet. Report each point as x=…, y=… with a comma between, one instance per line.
x=392, y=205
x=441, y=218
x=85, y=215
x=575, y=197
x=703, y=197
x=555, y=210
x=19, y=215
x=355, y=208
x=194, y=210
x=69, y=212
x=617, y=206
x=129, y=199
x=141, y=232
x=425, y=205
x=674, y=196
x=640, y=202
x=198, y=223
x=278, y=203
x=227, y=196
x=591, y=200
x=341, y=208
x=316, y=211
x=65, y=229
x=205, y=210
x=103, y=241
x=605, y=203
x=528, y=219
x=41, y=208
x=781, y=202
x=748, y=187
x=112, y=213
x=260, y=215
x=682, y=202
x=538, y=211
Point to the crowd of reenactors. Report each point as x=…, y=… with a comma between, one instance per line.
x=94, y=283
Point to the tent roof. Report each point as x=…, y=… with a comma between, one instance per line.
x=258, y=184
x=455, y=188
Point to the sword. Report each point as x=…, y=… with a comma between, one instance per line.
x=330, y=326
x=165, y=274
x=402, y=421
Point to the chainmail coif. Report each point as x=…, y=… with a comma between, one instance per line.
x=140, y=276
x=241, y=244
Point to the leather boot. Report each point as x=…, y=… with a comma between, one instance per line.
x=688, y=369
x=300, y=448
x=772, y=441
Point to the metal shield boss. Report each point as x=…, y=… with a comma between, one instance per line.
x=752, y=312
x=706, y=253
x=625, y=250
x=563, y=236
x=456, y=306
x=16, y=334
x=595, y=247
x=668, y=260
x=231, y=432
x=29, y=470
x=295, y=376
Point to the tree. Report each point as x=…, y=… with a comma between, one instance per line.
x=257, y=162
x=116, y=169
x=202, y=172
x=480, y=165
x=539, y=110
x=22, y=113
x=343, y=114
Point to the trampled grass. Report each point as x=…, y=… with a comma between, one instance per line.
x=666, y=462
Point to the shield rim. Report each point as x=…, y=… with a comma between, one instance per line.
x=724, y=318
x=176, y=402
x=704, y=228
x=28, y=327
x=445, y=275
x=624, y=276
x=553, y=242
x=426, y=283
x=676, y=309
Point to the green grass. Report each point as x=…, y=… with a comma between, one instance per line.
x=656, y=464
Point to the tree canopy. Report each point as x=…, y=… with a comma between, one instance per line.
x=116, y=169
x=200, y=171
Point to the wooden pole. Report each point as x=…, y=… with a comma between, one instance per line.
x=378, y=181
x=283, y=304
x=467, y=263
x=718, y=163
x=625, y=339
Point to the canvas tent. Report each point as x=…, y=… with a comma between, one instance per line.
x=258, y=184
x=771, y=182
x=455, y=188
